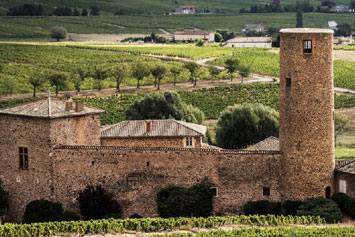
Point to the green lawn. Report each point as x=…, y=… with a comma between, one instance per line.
x=344, y=152
x=39, y=27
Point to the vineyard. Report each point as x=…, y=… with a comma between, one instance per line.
x=345, y=47
x=152, y=224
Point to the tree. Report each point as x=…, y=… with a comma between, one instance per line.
x=76, y=12
x=63, y=12
x=231, y=66
x=80, y=78
x=244, y=71
x=100, y=74
x=164, y=106
x=4, y=201
x=192, y=67
x=299, y=19
x=36, y=80
x=341, y=123
x=58, y=80
x=343, y=30
x=84, y=12
x=94, y=11
x=242, y=125
x=97, y=203
x=139, y=71
x=214, y=71
x=119, y=72
x=58, y=33
x=200, y=43
x=352, y=4
x=9, y=85
x=218, y=37
x=175, y=70
x=159, y=71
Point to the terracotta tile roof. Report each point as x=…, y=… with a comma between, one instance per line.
x=40, y=109
x=269, y=144
x=158, y=128
x=192, y=33
x=345, y=166
x=187, y=6
x=250, y=40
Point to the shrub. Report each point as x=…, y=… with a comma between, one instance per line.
x=322, y=207
x=174, y=201
x=135, y=216
x=70, y=216
x=58, y=33
x=261, y=207
x=97, y=203
x=290, y=207
x=345, y=203
x=42, y=211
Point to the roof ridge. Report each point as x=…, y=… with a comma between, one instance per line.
x=184, y=125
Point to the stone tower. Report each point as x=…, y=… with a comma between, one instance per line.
x=306, y=113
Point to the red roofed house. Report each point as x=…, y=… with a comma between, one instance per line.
x=193, y=35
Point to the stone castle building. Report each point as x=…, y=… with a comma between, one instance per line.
x=50, y=149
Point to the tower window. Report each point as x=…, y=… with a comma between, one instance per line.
x=288, y=82
x=307, y=46
x=23, y=157
x=266, y=192
x=327, y=192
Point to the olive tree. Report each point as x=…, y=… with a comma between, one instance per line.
x=193, y=68
x=175, y=71
x=57, y=79
x=159, y=71
x=119, y=72
x=139, y=71
x=231, y=65
x=36, y=80
x=244, y=71
x=58, y=33
x=100, y=73
x=79, y=78
x=214, y=72
x=241, y=125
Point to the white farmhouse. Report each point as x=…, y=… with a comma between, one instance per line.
x=250, y=42
x=194, y=35
x=185, y=9
x=331, y=25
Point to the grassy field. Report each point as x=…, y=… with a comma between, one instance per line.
x=155, y=6
x=39, y=27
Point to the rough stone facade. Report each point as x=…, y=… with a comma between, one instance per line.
x=65, y=153
x=177, y=142
x=306, y=112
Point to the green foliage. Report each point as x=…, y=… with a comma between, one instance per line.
x=135, y=216
x=231, y=65
x=157, y=224
x=193, y=69
x=4, y=200
x=159, y=71
x=262, y=207
x=58, y=33
x=96, y=203
x=139, y=71
x=214, y=71
x=200, y=43
x=100, y=73
x=36, y=80
x=174, y=201
x=57, y=79
x=69, y=216
x=291, y=207
x=242, y=125
x=175, y=71
x=341, y=122
x=345, y=203
x=244, y=71
x=119, y=72
x=9, y=85
x=299, y=19
x=163, y=106
x=42, y=211
x=322, y=207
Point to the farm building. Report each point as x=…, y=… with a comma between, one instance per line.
x=250, y=42
x=253, y=27
x=331, y=25
x=194, y=35
x=52, y=149
x=185, y=9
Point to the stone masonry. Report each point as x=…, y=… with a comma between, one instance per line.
x=66, y=154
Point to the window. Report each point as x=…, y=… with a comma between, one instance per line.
x=288, y=82
x=189, y=141
x=23, y=157
x=327, y=192
x=214, y=191
x=342, y=186
x=307, y=46
x=148, y=163
x=266, y=192
x=133, y=181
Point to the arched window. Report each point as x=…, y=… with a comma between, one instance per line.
x=327, y=192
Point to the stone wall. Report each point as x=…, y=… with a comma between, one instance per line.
x=177, y=142
x=350, y=183
x=135, y=175
x=25, y=185
x=306, y=113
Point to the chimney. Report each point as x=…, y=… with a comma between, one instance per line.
x=148, y=126
x=79, y=106
x=68, y=104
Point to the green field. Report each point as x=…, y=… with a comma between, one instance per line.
x=155, y=6
x=39, y=27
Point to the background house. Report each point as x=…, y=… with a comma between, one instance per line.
x=185, y=9
x=250, y=42
x=253, y=27
x=331, y=25
x=193, y=35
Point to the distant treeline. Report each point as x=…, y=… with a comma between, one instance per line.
x=38, y=10
x=304, y=6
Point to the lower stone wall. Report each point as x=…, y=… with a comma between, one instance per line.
x=135, y=175
x=350, y=182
